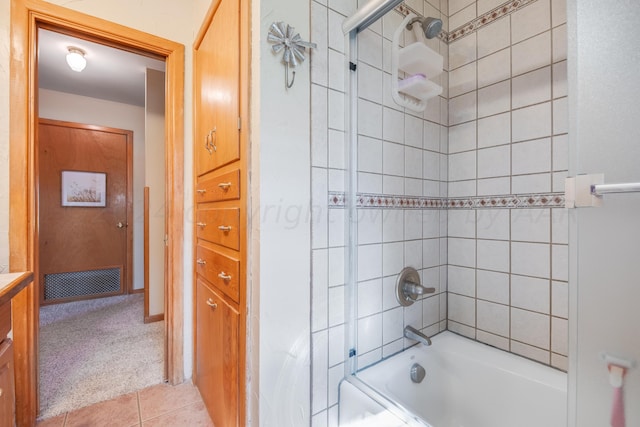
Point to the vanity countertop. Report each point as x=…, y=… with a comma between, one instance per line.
x=12, y=283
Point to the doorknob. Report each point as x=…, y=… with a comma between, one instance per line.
x=121, y=225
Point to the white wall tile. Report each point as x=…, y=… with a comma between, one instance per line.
x=320, y=289
x=560, y=336
x=413, y=254
x=369, y=333
x=320, y=348
x=495, y=161
x=369, y=183
x=558, y=181
x=319, y=124
x=457, y=5
x=494, y=99
x=462, y=108
x=531, y=88
x=461, y=280
x=485, y=6
x=530, y=20
x=462, y=80
x=319, y=419
x=532, y=156
x=392, y=159
x=369, y=154
x=369, y=262
x=336, y=374
x=430, y=311
x=344, y=7
x=493, y=223
x=560, y=362
x=370, y=48
x=494, y=130
x=392, y=325
x=318, y=57
x=462, y=252
x=336, y=266
x=560, y=226
x=493, y=37
x=494, y=68
x=431, y=253
x=462, y=188
x=336, y=110
x=493, y=340
x=560, y=152
x=412, y=224
x=558, y=12
x=319, y=225
x=560, y=262
x=431, y=136
x=336, y=149
x=431, y=223
x=530, y=328
x=530, y=259
x=336, y=345
x=462, y=309
x=392, y=258
x=336, y=227
x=531, y=122
x=337, y=180
x=560, y=116
x=462, y=51
x=531, y=225
x=413, y=129
x=413, y=314
x=369, y=297
x=462, y=223
x=369, y=118
x=335, y=34
x=538, y=183
x=493, y=255
x=462, y=137
x=392, y=185
x=413, y=164
x=392, y=225
x=392, y=125
x=530, y=293
x=559, y=43
x=336, y=76
x=389, y=299
x=369, y=226
x=369, y=81
x=494, y=186
x=531, y=54
x=493, y=286
x=530, y=352
x=560, y=79
x=463, y=16
x=462, y=166
x=336, y=306
x=560, y=299
x=493, y=318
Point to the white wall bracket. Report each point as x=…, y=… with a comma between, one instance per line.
x=578, y=193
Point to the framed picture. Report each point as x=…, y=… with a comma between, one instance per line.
x=84, y=189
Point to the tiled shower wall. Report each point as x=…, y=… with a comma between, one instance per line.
x=507, y=277
x=399, y=154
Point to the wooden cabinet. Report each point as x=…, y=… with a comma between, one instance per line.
x=221, y=64
x=7, y=387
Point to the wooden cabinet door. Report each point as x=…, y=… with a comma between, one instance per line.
x=217, y=369
x=217, y=82
x=7, y=393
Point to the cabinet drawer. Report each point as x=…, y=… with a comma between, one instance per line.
x=223, y=187
x=220, y=270
x=219, y=226
x=5, y=319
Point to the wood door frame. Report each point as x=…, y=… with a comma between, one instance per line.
x=127, y=281
x=26, y=17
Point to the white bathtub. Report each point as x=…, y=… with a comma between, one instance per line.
x=467, y=384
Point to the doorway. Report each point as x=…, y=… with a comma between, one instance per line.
x=26, y=18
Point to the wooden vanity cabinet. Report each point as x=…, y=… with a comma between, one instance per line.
x=221, y=64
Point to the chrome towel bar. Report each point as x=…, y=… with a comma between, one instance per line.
x=600, y=189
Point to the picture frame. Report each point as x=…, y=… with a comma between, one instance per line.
x=84, y=189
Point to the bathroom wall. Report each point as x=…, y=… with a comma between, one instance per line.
x=507, y=276
x=401, y=155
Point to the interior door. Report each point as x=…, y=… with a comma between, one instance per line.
x=84, y=208
x=605, y=243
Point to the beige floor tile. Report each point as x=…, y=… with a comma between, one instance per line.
x=119, y=412
x=194, y=415
x=163, y=398
x=52, y=422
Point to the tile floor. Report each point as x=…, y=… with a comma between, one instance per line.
x=158, y=406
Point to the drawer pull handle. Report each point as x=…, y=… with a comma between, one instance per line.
x=211, y=303
x=201, y=261
x=1, y=392
x=224, y=185
x=201, y=224
x=201, y=191
x=225, y=228
x=224, y=276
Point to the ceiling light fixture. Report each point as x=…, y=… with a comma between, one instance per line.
x=75, y=59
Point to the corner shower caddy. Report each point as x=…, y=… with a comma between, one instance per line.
x=420, y=63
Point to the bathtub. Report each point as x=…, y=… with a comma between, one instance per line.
x=467, y=384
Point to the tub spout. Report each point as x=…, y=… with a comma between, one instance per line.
x=414, y=334
x=416, y=289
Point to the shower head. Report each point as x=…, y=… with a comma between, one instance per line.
x=431, y=27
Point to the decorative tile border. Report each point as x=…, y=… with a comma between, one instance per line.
x=511, y=201
x=487, y=18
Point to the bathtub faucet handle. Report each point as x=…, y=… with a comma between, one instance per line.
x=416, y=288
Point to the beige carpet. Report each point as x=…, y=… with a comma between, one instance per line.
x=95, y=350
